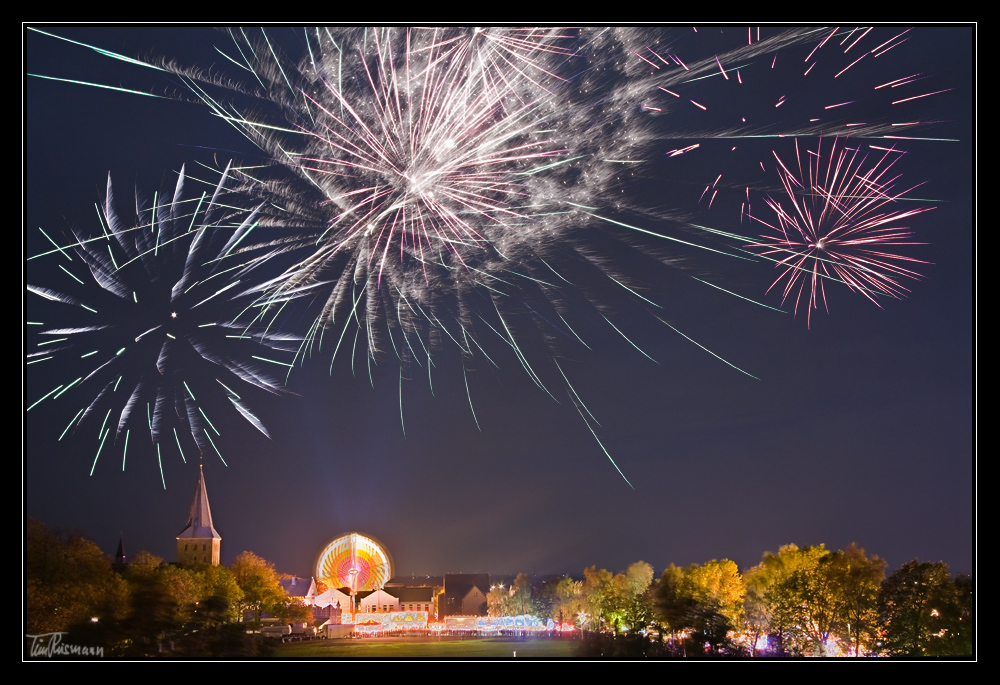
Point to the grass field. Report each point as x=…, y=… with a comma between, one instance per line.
x=430, y=648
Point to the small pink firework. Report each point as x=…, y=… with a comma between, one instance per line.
x=841, y=222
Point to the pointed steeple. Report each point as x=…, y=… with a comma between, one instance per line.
x=119, y=562
x=199, y=542
x=199, y=523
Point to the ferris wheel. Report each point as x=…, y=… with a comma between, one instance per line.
x=355, y=561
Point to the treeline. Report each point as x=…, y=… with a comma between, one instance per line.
x=797, y=602
x=148, y=608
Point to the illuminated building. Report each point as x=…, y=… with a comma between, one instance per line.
x=415, y=598
x=199, y=542
x=376, y=602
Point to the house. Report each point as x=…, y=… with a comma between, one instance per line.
x=302, y=589
x=464, y=594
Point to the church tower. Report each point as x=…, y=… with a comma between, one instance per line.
x=199, y=542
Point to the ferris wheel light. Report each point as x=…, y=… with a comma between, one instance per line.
x=355, y=561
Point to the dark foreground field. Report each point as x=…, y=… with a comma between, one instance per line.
x=431, y=647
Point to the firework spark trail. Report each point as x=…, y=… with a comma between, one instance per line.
x=841, y=225
x=835, y=50
x=455, y=182
x=448, y=167
x=437, y=179
x=152, y=320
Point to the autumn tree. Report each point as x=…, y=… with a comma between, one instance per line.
x=497, y=601
x=618, y=601
x=258, y=582
x=594, y=595
x=703, y=599
x=858, y=580
x=816, y=590
x=773, y=604
x=628, y=605
x=561, y=599
x=521, y=597
x=222, y=591
x=672, y=605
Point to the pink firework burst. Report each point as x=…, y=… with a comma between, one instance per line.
x=841, y=222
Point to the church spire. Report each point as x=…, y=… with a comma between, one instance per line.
x=119, y=562
x=199, y=542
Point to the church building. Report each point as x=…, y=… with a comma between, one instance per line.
x=199, y=542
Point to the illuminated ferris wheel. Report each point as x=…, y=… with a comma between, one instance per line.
x=355, y=561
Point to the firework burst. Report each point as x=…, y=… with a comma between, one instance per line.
x=153, y=321
x=439, y=182
x=840, y=221
x=450, y=188
x=434, y=160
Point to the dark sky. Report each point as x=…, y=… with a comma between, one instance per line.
x=860, y=429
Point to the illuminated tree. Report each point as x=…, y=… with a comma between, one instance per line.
x=718, y=583
x=958, y=619
x=561, y=599
x=221, y=587
x=497, y=600
x=858, y=580
x=703, y=599
x=617, y=601
x=924, y=613
x=805, y=597
x=672, y=605
x=815, y=590
x=521, y=599
x=626, y=605
x=258, y=581
x=595, y=594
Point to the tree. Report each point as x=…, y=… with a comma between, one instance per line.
x=258, y=582
x=704, y=599
x=773, y=604
x=497, y=601
x=718, y=583
x=625, y=604
x=638, y=606
x=561, y=599
x=594, y=595
x=617, y=601
x=221, y=586
x=521, y=600
x=957, y=620
x=165, y=604
x=922, y=612
x=858, y=579
x=815, y=591
x=291, y=610
x=672, y=604
x=516, y=601
x=805, y=597
x=68, y=580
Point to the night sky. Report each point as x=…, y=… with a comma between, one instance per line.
x=860, y=429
